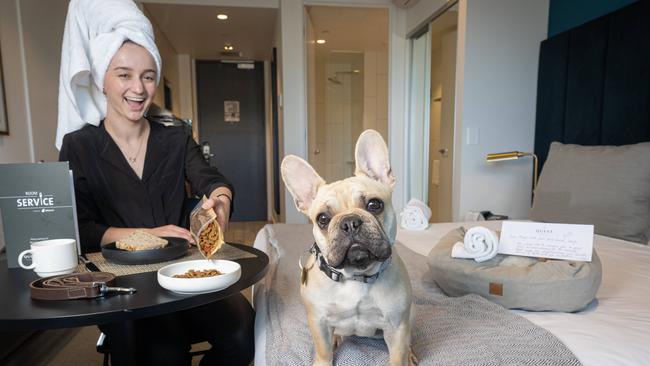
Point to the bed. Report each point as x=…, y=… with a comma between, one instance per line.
x=613, y=330
x=605, y=186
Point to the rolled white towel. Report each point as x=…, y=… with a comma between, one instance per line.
x=479, y=243
x=415, y=215
x=94, y=31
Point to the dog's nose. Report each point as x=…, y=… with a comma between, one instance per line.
x=350, y=224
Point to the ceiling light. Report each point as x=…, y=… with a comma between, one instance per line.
x=228, y=47
x=321, y=41
x=222, y=16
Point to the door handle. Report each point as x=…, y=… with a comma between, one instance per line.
x=316, y=152
x=205, y=150
x=443, y=152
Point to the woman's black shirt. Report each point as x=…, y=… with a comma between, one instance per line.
x=109, y=193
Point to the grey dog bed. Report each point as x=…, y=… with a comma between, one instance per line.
x=516, y=282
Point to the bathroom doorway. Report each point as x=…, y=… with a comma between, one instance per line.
x=347, y=65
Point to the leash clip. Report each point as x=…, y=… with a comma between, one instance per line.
x=105, y=289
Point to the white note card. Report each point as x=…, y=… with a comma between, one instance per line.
x=555, y=241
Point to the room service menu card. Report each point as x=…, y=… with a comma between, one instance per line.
x=36, y=201
x=543, y=240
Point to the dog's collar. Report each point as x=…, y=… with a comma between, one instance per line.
x=337, y=276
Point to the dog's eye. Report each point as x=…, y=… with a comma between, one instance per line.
x=375, y=206
x=323, y=220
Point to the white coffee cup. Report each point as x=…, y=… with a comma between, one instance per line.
x=51, y=257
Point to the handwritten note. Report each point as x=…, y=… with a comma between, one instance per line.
x=555, y=241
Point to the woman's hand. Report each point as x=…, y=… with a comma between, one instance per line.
x=171, y=230
x=220, y=201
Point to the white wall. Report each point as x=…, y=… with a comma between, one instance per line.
x=43, y=36
x=294, y=89
x=496, y=97
x=398, y=71
x=31, y=51
x=15, y=147
x=315, y=100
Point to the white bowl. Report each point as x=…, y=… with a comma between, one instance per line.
x=231, y=271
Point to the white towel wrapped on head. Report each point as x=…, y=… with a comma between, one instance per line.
x=415, y=215
x=94, y=31
x=479, y=243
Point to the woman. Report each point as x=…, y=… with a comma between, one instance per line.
x=129, y=174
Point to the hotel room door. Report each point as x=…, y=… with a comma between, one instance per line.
x=441, y=123
x=230, y=100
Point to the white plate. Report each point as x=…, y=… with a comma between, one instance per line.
x=231, y=271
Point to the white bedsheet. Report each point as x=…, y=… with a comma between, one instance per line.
x=613, y=330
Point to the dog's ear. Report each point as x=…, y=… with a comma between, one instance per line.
x=372, y=160
x=301, y=180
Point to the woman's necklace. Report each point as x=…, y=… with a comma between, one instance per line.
x=131, y=159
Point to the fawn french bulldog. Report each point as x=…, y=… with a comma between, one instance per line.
x=353, y=282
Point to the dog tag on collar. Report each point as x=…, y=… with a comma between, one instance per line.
x=303, y=276
x=304, y=269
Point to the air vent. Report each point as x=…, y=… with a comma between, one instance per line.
x=231, y=54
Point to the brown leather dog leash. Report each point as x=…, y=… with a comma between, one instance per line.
x=84, y=285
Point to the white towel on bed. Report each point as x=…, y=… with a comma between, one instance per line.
x=94, y=31
x=415, y=215
x=479, y=243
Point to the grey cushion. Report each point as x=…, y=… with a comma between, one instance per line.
x=516, y=282
x=606, y=186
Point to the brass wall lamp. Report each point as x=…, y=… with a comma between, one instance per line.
x=513, y=155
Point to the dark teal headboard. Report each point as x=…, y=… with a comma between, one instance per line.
x=594, y=82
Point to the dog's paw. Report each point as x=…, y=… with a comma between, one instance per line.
x=413, y=361
x=337, y=340
x=322, y=363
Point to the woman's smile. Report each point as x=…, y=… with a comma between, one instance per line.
x=135, y=104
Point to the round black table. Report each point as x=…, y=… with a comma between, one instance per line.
x=19, y=312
